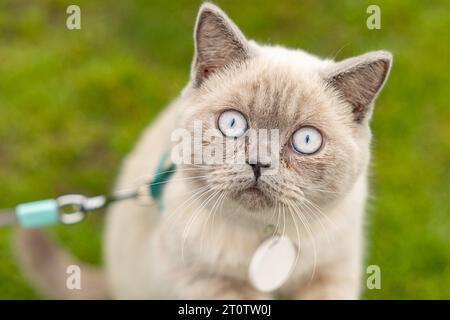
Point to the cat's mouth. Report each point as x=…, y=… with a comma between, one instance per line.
x=254, y=191
x=252, y=198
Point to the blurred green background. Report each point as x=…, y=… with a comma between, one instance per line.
x=72, y=104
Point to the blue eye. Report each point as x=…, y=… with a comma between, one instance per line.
x=232, y=123
x=307, y=140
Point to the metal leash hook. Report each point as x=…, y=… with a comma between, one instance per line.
x=73, y=207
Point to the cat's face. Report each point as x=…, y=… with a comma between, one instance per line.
x=319, y=108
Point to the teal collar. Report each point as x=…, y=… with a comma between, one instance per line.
x=164, y=170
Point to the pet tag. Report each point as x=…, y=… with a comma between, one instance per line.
x=272, y=263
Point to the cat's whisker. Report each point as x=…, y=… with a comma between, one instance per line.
x=278, y=222
x=193, y=218
x=317, y=218
x=340, y=49
x=178, y=180
x=310, y=234
x=272, y=217
x=146, y=178
x=146, y=183
x=208, y=194
x=312, y=205
x=225, y=194
x=134, y=191
x=278, y=214
x=191, y=198
x=198, y=193
x=319, y=190
x=297, y=256
x=188, y=203
x=205, y=223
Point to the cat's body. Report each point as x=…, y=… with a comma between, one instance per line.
x=316, y=199
x=143, y=249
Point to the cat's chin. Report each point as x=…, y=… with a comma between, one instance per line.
x=252, y=199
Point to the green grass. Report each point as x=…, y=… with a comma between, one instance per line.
x=72, y=104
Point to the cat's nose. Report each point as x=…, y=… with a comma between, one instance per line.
x=257, y=168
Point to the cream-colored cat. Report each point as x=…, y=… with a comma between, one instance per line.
x=215, y=216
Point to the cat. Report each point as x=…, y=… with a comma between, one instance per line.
x=317, y=197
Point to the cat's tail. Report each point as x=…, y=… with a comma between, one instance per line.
x=48, y=267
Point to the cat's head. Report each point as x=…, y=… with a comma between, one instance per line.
x=321, y=109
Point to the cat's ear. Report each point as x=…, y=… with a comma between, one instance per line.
x=218, y=43
x=358, y=81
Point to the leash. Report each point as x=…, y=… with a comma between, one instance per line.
x=73, y=208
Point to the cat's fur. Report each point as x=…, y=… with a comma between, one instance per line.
x=146, y=253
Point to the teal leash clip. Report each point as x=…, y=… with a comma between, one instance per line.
x=38, y=213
